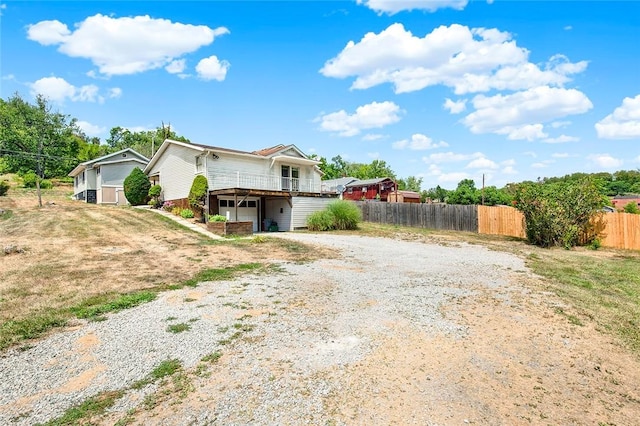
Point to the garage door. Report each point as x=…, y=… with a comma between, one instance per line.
x=247, y=211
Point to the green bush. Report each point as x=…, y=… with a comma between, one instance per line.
x=631, y=208
x=560, y=213
x=154, y=194
x=322, y=220
x=4, y=187
x=217, y=218
x=346, y=214
x=198, y=192
x=136, y=187
x=155, y=191
x=29, y=181
x=186, y=213
x=339, y=215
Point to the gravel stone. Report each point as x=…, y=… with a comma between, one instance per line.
x=374, y=282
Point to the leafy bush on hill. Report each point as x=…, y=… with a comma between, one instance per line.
x=136, y=187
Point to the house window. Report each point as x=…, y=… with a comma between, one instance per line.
x=350, y=190
x=231, y=203
x=252, y=203
x=290, y=178
x=98, y=171
x=199, y=164
x=223, y=203
x=82, y=177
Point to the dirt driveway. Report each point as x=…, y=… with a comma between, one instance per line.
x=390, y=332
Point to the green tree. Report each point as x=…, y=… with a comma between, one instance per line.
x=37, y=139
x=411, y=183
x=465, y=193
x=437, y=194
x=136, y=187
x=144, y=142
x=495, y=196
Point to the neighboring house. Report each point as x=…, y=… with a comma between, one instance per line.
x=404, y=197
x=369, y=189
x=619, y=201
x=101, y=180
x=337, y=186
x=278, y=184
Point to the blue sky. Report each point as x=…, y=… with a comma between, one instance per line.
x=444, y=90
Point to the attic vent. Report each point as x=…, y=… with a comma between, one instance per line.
x=124, y=155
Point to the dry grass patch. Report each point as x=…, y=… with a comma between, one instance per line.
x=74, y=252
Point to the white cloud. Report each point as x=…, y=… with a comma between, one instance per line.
x=212, y=69
x=372, y=137
x=373, y=155
x=91, y=129
x=450, y=157
x=560, y=124
x=176, y=67
x=115, y=92
x=509, y=170
x=623, y=123
x=465, y=59
x=539, y=165
x=418, y=142
x=3, y=6
x=370, y=116
x=530, y=154
x=394, y=6
x=126, y=45
x=560, y=155
x=519, y=114
x=455, y=107
x=605, y=161
x=562, y=139
x=509, y=162
x=568, y=27
x=453, y=177
x=529, y=132
x=58, y=90
x=482, y=163
x=139, y=129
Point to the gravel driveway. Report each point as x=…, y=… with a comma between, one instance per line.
x=389, y=332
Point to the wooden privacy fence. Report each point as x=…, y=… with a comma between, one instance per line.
x=433, y=216
x=620, y=230
x=501, y=220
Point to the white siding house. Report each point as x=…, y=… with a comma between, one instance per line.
x=278, y=184
x=101, y=180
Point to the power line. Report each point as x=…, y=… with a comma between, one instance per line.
x=33, y=154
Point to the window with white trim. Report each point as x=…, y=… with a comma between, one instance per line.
x=199, y=164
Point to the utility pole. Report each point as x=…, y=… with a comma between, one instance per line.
x=39, y=169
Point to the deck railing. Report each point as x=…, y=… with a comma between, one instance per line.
x=263, y=182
